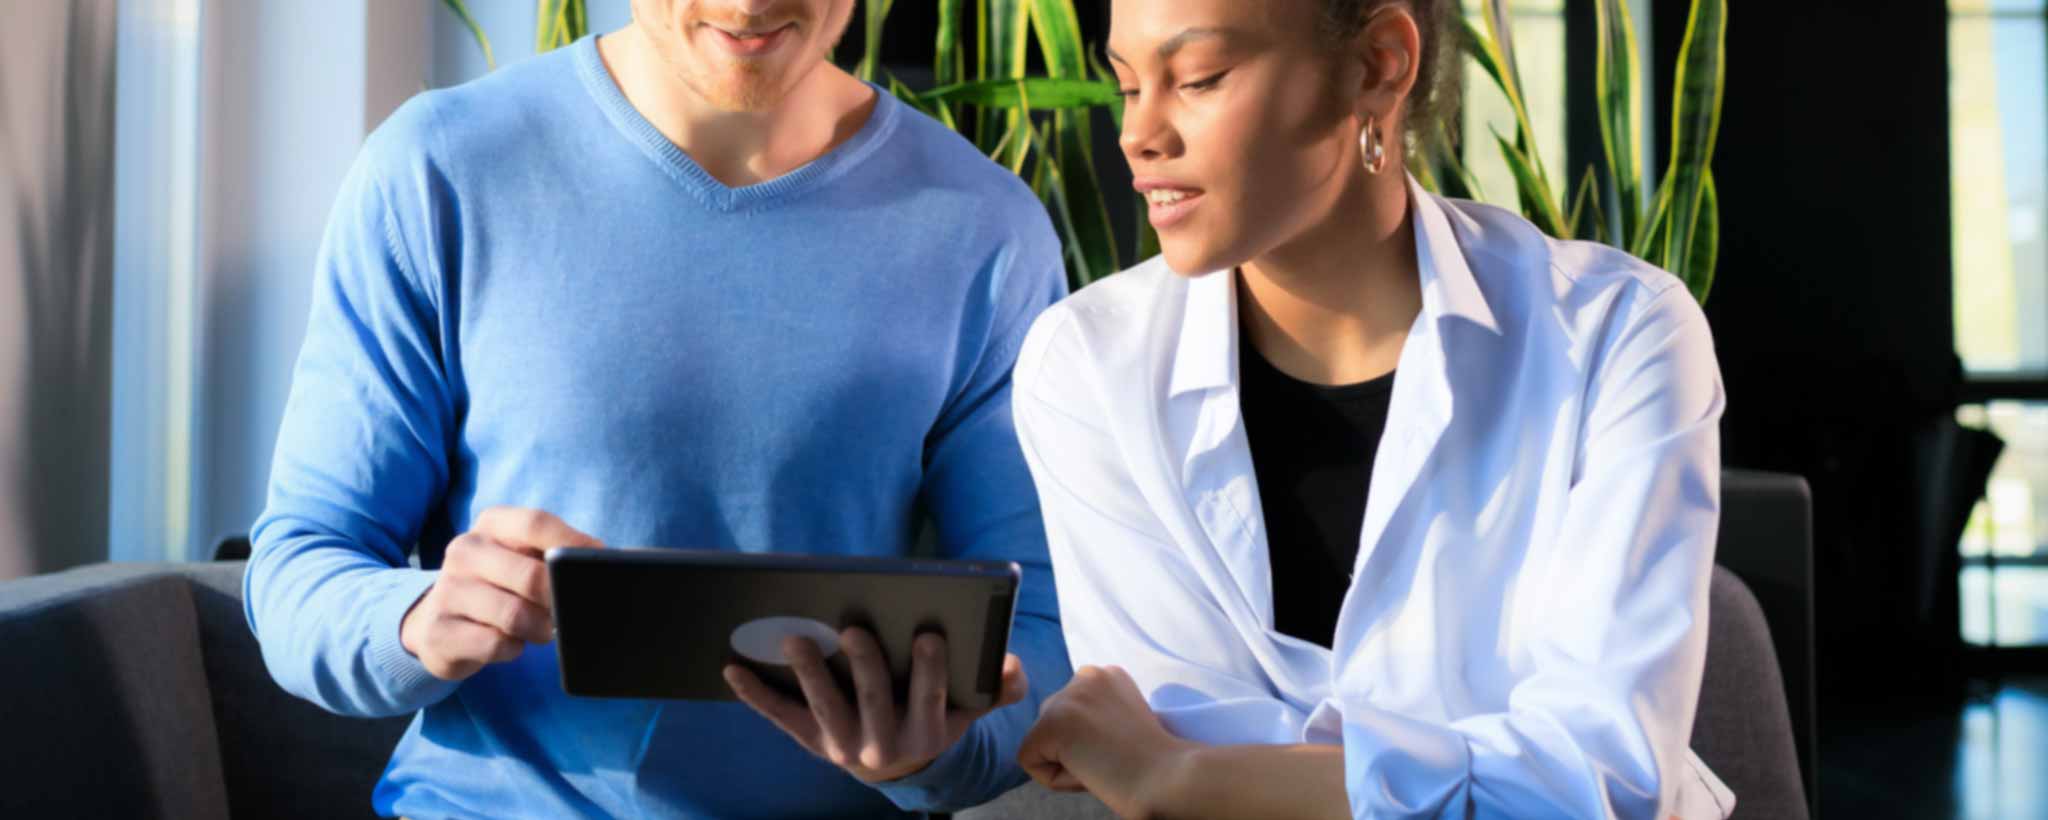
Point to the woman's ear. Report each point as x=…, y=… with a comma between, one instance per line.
x=1388, y=49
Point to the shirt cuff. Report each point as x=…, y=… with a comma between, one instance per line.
x=935, y=787
x=405, y=679
x=1399, y=766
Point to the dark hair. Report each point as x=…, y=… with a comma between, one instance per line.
x=1435, y=95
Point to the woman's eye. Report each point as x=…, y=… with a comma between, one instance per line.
x=1205, y=83
x=1127, y=93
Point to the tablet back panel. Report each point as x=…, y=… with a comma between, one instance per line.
x=661, y=623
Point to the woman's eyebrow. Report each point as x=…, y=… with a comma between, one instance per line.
x=1174, y=43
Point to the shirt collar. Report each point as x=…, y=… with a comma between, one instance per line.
x=1207, y=354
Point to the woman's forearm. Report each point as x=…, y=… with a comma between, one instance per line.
x=1296, y=781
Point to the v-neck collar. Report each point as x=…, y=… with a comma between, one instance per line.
x=604, y=89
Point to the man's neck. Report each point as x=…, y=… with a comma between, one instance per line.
x=1335, y=305
x=738, y=148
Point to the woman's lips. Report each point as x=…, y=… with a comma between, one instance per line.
x=1169, y=206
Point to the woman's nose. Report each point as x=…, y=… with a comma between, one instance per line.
x=1144, y=135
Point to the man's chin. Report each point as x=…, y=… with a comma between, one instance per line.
x=745, y=96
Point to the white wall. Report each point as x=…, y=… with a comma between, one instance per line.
x=282, y=112
x=287, y=92
x=57, y=77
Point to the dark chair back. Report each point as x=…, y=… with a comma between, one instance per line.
x=1743, y=729
x=1766, y=538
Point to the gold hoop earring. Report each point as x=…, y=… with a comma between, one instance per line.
x=1370, y=147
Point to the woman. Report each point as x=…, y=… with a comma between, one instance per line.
x=1380, y=504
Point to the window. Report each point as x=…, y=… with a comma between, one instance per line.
x=2005, y=571
x=156, y=258
x=1998, y=131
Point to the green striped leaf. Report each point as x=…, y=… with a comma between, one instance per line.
x=1487, y=55
x=1587, y=220
x=876, y=14
x=1706, y=242
x=1103, y=73
x=461, y=11
x=1004, y=32
x=1648, y=247
x=1058, y=33
x=1424, y=171
x=557, y=23
x=902, y=91
x=949, y=61
x=1695, y=120
x=1536, y=201
x=1615, y=70
x=1044, y=94
x=1457, y=179
x=1081, y=267
x=1501, y=44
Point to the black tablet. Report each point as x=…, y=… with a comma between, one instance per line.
x=663, y=623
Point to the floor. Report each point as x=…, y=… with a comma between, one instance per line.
x=1985, y=758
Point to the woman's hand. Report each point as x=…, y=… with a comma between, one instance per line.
x=1099, y=735
x=871, y=741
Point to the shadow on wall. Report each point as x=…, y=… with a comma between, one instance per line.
x=56, y=282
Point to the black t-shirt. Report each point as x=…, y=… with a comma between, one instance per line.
x=1312, y=449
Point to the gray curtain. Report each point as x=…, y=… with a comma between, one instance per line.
x=56, y=281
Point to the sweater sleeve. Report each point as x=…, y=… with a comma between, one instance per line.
x=361, y=458
x=980, y=496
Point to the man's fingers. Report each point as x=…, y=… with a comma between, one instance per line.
x=925, y=715
x=1015, y=687
x=505, y=649
x=1064, y=780
x=875, y=693
x=485, y=603
x=460, y=647
x=1016, y=684
x=788, y=715
x=518, y=572
x=530, y=530
x=835, y=718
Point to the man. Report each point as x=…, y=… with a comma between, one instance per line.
x=684, y=285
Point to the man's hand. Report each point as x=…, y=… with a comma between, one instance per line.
x=871, y=741
x=1100, y=736
x=492, y=597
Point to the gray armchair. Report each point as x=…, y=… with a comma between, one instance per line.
x=1743, y=730
x=137, y=690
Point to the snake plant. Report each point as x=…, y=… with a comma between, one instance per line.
x=1676, y=225
x=1035, y=125
x=558, y=23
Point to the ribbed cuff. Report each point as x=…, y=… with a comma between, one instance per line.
x=936, y=787
x=405, y=680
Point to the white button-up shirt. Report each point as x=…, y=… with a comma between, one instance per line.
x=1527, y=618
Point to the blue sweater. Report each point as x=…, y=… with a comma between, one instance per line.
x=528, y=297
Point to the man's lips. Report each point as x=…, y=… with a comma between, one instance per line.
x=748, y=42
